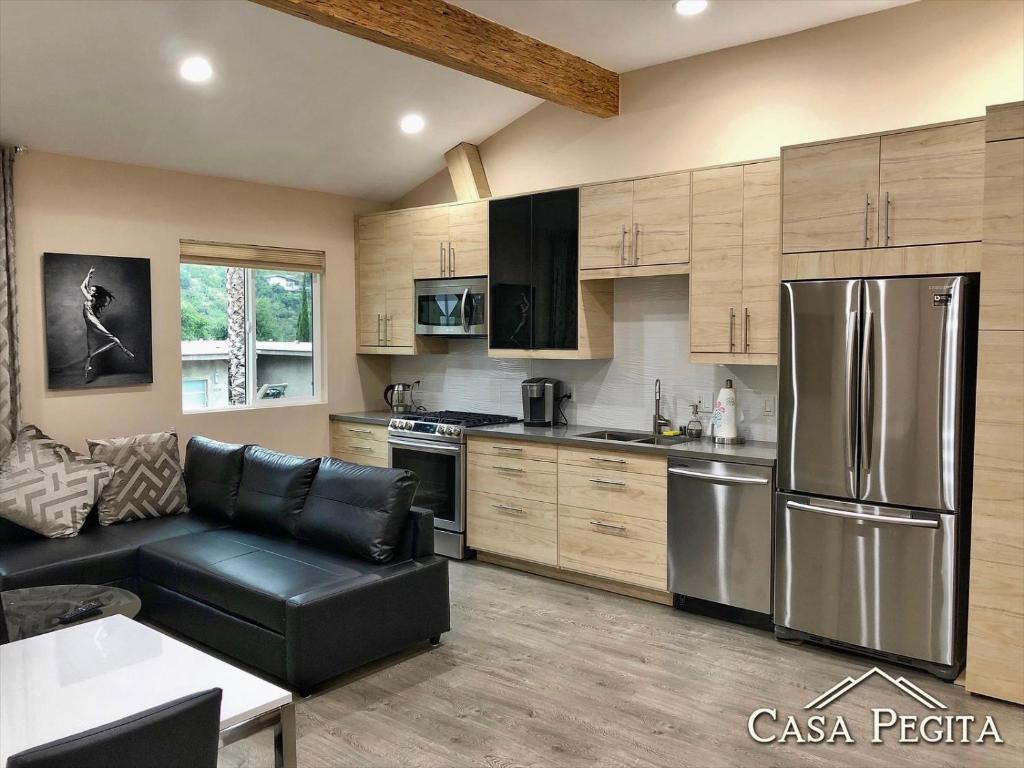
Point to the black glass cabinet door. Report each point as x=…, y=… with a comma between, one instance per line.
x=511, y=325
x=554, y=274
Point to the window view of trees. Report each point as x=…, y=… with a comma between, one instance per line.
x=283, y=304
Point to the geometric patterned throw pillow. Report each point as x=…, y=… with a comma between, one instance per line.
x=47, y=487
x=147, y=478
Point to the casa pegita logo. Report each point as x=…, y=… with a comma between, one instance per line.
x=768, y=726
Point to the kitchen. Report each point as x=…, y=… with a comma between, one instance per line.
x=677, y=310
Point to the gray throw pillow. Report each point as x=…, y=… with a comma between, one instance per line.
x=47, y=487
x=147, y=478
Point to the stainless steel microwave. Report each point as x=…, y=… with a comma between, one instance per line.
x=454, y=307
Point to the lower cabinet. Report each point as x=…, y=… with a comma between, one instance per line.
x=360, y=443
x=594, y=512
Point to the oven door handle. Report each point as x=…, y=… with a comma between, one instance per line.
x=425, y=445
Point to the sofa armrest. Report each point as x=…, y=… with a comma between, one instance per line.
x=332, y=629
x=417, y=537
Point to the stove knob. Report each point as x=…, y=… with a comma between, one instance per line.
x=455, y=430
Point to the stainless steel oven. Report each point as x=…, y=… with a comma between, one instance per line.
x=455, y=307
x=441, y=469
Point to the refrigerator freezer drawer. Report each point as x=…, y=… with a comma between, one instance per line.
x=876, y=577
x=720, y=533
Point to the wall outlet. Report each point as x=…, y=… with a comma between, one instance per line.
x=705, y=402
x=769, y=406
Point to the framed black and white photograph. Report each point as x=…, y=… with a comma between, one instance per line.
x=99, y=330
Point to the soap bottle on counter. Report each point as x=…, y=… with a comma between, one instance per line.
x=694, y=428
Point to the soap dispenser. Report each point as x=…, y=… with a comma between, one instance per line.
x=694, y=428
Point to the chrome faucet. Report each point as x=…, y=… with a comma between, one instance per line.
x=659, y=420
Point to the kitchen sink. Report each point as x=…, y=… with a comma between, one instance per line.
x=619, y=437
x=662, y=440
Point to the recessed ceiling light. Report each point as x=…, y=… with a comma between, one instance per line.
x=412, y=123
x=690, y=7
x=196, y=69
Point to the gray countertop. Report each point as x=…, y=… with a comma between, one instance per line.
x=753, y=452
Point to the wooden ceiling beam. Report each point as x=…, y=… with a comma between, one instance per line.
x=453, y=37
x=467, y=172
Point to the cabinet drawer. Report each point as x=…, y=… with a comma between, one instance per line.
x=346, y=432
x=619, y=461
x=614, y=492
x=507, y=525
x=628, y=549
x=366, y=459
x=519, y=478
x=363, y=449
x=516, y=449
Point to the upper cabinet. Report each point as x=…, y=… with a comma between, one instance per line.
x=450, y=240
x=538, y=307
x=384, y=286
x=917, y=187
x=734, y=274
x=636, y=227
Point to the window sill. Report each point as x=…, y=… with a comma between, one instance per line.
x=265, y=405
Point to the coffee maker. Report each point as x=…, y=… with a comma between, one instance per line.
x=541, y=397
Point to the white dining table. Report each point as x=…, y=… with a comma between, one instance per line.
x=85, y=676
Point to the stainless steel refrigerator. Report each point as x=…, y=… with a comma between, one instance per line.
x=876, y=404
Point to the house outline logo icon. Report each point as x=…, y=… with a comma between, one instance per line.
x=846, y=685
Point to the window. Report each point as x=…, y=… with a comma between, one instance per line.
x=249, y=333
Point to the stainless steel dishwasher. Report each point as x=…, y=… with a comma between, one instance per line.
x=720, y=533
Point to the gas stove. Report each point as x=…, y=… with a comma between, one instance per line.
x=445, y=426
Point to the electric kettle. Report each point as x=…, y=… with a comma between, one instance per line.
x=399, y=397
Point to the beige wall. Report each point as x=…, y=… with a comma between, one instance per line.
x=72, y=205
x=921, y=63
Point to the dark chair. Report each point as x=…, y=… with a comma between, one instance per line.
x=181, y=734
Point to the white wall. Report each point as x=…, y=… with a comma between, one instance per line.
x=651, y=341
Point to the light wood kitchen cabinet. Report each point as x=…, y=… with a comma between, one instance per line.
x=360, y=443
x=450, y=240
x=830, y=196
x=734, y=270
x=995, y=639
x=638, y=227
x=384, y=287
x=931, y=184
x=1002, y=256
x=606, y=221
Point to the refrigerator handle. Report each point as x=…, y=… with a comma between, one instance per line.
x=867, y=396
x=851, y=360
x=913, y=522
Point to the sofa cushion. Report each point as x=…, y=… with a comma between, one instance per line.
x=147, y=479
x=213, y=471
x=98, y=555
x=47, y=487
x=248, y=574
x=357, y=510
x=273, y=489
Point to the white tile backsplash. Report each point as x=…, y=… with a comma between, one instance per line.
x=651, y=342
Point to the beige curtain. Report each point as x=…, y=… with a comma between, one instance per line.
x=10, y=391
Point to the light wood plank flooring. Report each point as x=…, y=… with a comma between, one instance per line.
x=536, y=672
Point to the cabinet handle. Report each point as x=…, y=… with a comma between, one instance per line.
x=508, y=508
x=506, y=468
x=361, y=431
x=451, y=260
x=380, y=342
x=887, y=204
x=387, y=330
x=507, y=448
x=602, y=481
x=732, y=317
x=867, y=208
x=606, y=458
x=636, y=245
x=441, y=262
x=608, y=526
x=622, y=247
x=746, y=329
x=363, y=448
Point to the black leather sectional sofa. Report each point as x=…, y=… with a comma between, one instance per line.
x=302, y=568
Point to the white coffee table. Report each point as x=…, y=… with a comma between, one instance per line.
x=92, y=674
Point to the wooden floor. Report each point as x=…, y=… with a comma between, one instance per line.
x=540, y=673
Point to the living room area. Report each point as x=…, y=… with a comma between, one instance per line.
x=330, y=337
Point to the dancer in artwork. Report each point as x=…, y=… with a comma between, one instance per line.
x=97, y=338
